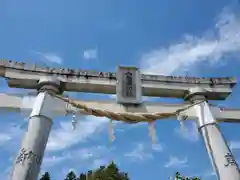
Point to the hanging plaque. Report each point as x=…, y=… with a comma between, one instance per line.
x=128, y=88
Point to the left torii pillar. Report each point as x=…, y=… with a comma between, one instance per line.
x=28, y=162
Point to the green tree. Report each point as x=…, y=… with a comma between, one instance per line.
x=109, y=172
x=179, y=177
x=112, y=171
x=71, y=176
x=98, y=173
x=82, y=177
x=45, y=176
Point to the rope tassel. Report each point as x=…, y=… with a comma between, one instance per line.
x=181, y=119
x=74, y=121
x=152, y=131
x=111, y=131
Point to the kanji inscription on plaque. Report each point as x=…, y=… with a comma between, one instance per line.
x=128, y=87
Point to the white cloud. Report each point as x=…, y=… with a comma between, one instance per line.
x=92, y=157
x=234, y=145
x=144, y=98
x=139, y=153
x=90, y=54
x=143, y=152
x=64, y=137
x=4, y=138
x=208, y=174
x=99, y=162
x=10, y=133
x=113, y=96
x=50, y=161
x=53, y=58
x=175, y=162
x=50, y=57
x=92, y=152
x=157, y=147
x=188, y=132
x=7, y=173
x=224, y=40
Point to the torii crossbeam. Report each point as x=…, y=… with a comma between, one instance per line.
x=61, y=108
x=129, y=85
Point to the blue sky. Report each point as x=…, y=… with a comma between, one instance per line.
x=171, y=37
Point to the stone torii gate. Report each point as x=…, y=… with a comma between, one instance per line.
x=130, y=86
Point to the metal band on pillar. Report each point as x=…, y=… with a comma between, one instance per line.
x=28, y=162
x=221, y=157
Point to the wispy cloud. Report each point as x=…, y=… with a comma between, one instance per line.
x=64, y=137
x=144, y=98
x=4, y=138
x=234, y=145
x=208, y=174
x=175, y=162
x=50, y=161
x=224, y=39
x=7, y=173
x=49, y=57
x=90, y=54
x=143, y=152
x=139, y=153
x=99, y=162
x=188, y=132
x=92, y=156
x=10, y=133
x=157, y=147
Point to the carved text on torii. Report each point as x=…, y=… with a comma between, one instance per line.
x=28, y=155
x=77, y=73
x=129, y=84
x=230, y=160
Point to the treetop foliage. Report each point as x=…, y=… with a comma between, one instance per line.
x=179, y=177
x=109, y=172
x=45, y=176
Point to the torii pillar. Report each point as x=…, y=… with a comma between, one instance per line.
x=218, y=150
x=28, y=162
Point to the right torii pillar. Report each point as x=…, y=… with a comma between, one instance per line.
x=218, y=150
